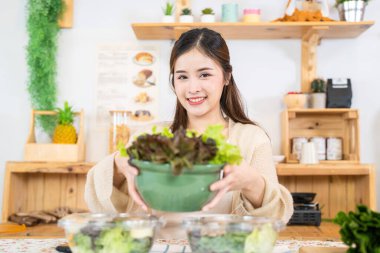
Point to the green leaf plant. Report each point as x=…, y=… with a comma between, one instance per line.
x=43, y=29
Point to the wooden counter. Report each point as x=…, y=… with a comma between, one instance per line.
x=326, y=232
x=32, y=186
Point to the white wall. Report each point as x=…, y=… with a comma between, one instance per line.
x=264, y=70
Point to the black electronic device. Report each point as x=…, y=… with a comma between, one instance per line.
x=339, y=93
x=306, y=212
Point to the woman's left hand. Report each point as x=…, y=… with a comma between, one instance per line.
x=242, y=178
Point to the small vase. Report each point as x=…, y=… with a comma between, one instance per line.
x=230, y=12
x=208, y=18
x=168, y=19
x=186, y=19
x=318, y=100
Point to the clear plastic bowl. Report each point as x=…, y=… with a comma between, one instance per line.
x=232, y=234
x=108, y=233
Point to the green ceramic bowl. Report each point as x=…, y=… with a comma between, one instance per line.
x=187, y=192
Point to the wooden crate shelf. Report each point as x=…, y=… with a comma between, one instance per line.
x=49, y=152
x=341, y=123
x=30, y=186
x=261, y=30
x=339, y=187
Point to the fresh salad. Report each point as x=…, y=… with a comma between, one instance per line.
x=260, y=240
x=116, y=239
x=183, y=148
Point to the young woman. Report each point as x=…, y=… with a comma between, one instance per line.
x=201, y=76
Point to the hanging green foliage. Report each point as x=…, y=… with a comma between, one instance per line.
x=42, y=27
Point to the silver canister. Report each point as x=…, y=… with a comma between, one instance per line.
x=334, y=149
x=297, y=146
x=320, y=144
x=352, y=11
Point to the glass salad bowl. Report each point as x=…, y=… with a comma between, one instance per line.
x=110, y=233
x=232, y=234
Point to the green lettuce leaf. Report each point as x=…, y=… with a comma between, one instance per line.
x=183, y=148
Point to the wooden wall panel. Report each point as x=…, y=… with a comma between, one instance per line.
x=338, y=194
x=66, y=191
x=321, y=186
x=350, y=193
x=304, y=184
x=81, y=181
x=18, y=196
x=52, y=197
x=35, y=192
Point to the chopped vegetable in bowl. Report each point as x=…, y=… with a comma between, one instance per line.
x=105, y=233
x=232, y=234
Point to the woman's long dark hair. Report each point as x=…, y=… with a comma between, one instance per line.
x=214, y=46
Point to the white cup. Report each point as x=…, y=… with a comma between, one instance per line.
x=309, y=153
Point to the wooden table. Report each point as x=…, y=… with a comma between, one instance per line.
x=301, y=239
x=326, y=232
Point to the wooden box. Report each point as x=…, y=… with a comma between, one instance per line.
x=49, y=152
x=339, y=123
x=36, y=186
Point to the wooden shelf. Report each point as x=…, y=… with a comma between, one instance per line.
x=286, y=169
x=49, y=167
x=308, y=123
x=261, y=30
x=310, y=34
x=339, y=187
x=30, y=186
x=324, y=111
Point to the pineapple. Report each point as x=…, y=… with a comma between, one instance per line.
x=65, y=131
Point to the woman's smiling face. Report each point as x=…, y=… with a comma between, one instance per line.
x=198, y=84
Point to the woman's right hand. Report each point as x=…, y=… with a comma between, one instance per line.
x=129, y=172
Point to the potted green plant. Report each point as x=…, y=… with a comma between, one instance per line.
x=360, y=229
x=177, y=169
x=186, y=16
x=168, y=13
x=351, y=10
x=208, y=15
x=318, y=96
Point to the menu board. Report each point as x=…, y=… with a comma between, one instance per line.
x=127, y=80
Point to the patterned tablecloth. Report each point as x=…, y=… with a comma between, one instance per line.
x=160, y=246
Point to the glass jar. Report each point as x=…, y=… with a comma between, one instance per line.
x=119, y=130
x=251, y=15
x=309, y=6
